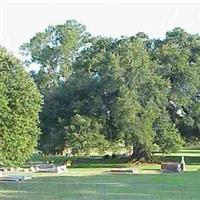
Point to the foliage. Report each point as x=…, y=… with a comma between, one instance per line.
x=137, y=91
x=54, y=50
x=84, y=134
x=167, y=137
x=20, y=103
x=178, y=58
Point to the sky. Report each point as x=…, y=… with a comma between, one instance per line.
x=21, y=19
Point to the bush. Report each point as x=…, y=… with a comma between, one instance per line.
x=107, y=156
x=114, y=155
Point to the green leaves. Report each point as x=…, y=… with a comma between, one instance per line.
x=135, y=90
x=174, y=57
x=167, y=136
x=84, y=135
x=54, y=51
x=20, y=103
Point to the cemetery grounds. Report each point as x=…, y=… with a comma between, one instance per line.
x=89, y=179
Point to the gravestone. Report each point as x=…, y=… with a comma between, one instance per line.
x=51, y=168
x=14, y=178
x=173, y=166
x=121, y=170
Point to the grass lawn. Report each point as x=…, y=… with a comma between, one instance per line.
x=95, y=183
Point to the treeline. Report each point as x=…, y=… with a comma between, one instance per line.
x=105, y=92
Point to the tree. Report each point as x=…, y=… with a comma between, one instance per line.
x=84, y=134
x=142, y=97
x=131, y=92
x=178, y=61
x=20, y=103
x=140, y=91
x=54, y=51
x=167, y=137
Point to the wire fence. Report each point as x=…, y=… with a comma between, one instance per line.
x=96, y=191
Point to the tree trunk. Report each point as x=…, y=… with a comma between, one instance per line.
x=140, y=153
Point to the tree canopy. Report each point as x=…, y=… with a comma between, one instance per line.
x=133, y=91
x=20, y=103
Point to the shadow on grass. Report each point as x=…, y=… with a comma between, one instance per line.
x=85, y=162
x=192, y=157
x=126, y=186
x=189, y=160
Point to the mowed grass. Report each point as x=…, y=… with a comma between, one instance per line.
x=95, y=183
x=183, y=186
